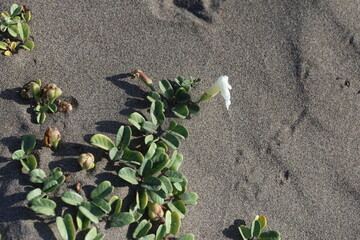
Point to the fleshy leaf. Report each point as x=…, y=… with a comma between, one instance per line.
x=72, y=198
x=43, y=206
x=31, y=162
x=136, y=119
x=102, y=204
x=18, y=154
x=3, y=45
x=115, y=202
x=151, y=183
x=93, y=235
x=245, y=232
x=141, y=198
x=128, y=174
x=160, y=232
x=136, y=211
x=160, y=163
x=178, y=130
x=175, y=223
x=37, y=176
x=132, y=156
x=24, y=31
x=189, y=198
x=115, y=154
x=157, y=196
x=26, y=16
x=270, y=235
x=175, y=161
x=28, y=142
x=166, y=185
x=102, y=141
x=82, y=221
x=15, y=10
x=13, y=30
x=182, y=96
x=181, y=110
x=171, y=140
x=28, y=45
x=255, y=228
x=188, y=236
x=89, y=215
x=142, y=229
x=121, y=219
x=262, y=220
x=157, y=112
x=102, y=190
x=35, y=194
x=194, y=108
x=178, y=206
x=123, y=137
x=166, y=88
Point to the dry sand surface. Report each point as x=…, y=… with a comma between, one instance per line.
x=288, y=148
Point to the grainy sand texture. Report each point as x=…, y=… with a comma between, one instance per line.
x=288, y=147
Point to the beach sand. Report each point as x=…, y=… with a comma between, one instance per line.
x=287, y=148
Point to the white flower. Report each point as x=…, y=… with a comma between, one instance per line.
x=221, y=85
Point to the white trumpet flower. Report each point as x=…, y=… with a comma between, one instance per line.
x=221, y=85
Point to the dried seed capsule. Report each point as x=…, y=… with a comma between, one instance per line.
x=86, y=161
x=64, y=106
x=52, y=137
x=155, y=211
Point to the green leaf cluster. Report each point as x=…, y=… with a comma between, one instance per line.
x=17, y=32
x=256, y=230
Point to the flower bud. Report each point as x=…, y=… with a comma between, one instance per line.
x=52, y=137
x=140, y=74
x=86, y=161
x=155, y=211
x=35, y=90
x=52, y=92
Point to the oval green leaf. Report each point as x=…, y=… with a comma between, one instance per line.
x=115, y=204
x=28, y=45
x=102, y=190
x=151, y=183
x=89, y=215
x=188, y=236
x=160, y=232
x=181, y=110
x=102, y=141
x=166, y=88
x=189, y=198
x=35, y=194
x=129, y=175
x=175, y=223
x=72, y=198
x=142, y=229
x=31, y=162
x=121, y=219
x=157, y=112
x=130, y=156
x=141, y=198
x=270, y=235
x=123, y=137
x=102, y=204
x=178, y=206
x=82, y=221
x=171, y=140
x=182, y=96
x=28, y=142
x=18, y=154
x=136, y=119
x=37, y=176
x=255, y=228
x=43, y=206
x=24, y=31
x=245, y=232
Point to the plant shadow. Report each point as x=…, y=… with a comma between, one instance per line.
x=138, y=96
x=232, y=231
x=13, y=95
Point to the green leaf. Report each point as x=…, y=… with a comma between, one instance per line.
x=135, y=157
x=28, y=142
x=142, y=229
x=171, y=140
x=102, y=141
x=16, y=19
x=157, y=196
x=182, y=96
x=40, y=118
x=136, y=120
x=160, y=163
x=13, y=30
x=31, y=162
x=37, y=176
x=15, y=10
x=102, y=204
x=148, y=127
x=255, y=228
x=153, y=96
x=26, y=16
x=245, y=232
x=175, y=161
x=151, y=183
x=123, y=137
x=28, y=45
x=136, y=211
x=157, y=112
x=89, y=215
x=151, y=151
x=115, y=154
x=93, y=235
x=178, y=206
x=53, y=108
x=141, y=198
x=160, y=232
x=129, y=175
x=270, y=235
x=18, y=154
x=148, y=237
x=121, y=219
x=115, y=202
x=178, y=130
x=148, y=139
x=166, y=88
x=43, y=206
x=145, y=168
x=25, y=166
x=189, y=198
x=35, y=194
x=166, y=185
x=3, y=45
x=13, y=46
x=174, y=176
x=262, y=220
x=188, y=236
x=102, y=190
x=168, y=221
x=70, y=228
x=49, y=186
x=181, y=110
x=82, y=221
x=72, y=198
x=24, y=31
x=5, y=15
x=175, y=223
x=193, y=108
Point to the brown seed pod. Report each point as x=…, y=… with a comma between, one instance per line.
x=52, y=137
x=78, y=187
x=64, y=106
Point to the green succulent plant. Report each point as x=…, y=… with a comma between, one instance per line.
x=16, y=31
x=256, y=231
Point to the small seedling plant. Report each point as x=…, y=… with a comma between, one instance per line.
x=45, y=98
x=256, y=231
x=15, y=30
